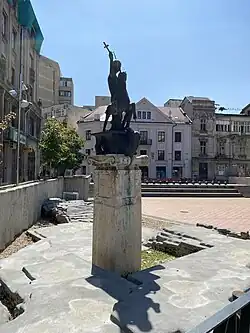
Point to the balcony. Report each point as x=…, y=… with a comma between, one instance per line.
x=146, y=142
x=203, y=155
x=32, y=75
x=220, y=156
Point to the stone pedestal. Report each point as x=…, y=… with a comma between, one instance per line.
x=117, y=226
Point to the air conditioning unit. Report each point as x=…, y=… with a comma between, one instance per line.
x=13, y=145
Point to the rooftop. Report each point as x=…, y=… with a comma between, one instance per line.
x=175, y=113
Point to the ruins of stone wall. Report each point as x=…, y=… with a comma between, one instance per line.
x=20, y=206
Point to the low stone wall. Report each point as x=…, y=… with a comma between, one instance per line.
x=78, y=183
x=239, y=180
x=20, y=206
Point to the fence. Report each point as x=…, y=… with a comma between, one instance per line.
x=233, y=318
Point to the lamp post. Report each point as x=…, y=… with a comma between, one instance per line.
x=19, y=106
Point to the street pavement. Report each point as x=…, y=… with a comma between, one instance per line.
x=231, y=213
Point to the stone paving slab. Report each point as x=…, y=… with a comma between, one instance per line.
x=75, y=306
x=66, y=297
x=190, y=288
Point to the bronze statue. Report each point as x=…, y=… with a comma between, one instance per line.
x=120, y=138
x=120, y=102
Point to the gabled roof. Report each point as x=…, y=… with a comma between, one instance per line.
x=156, y=108
x=175, y=113
x=98, y=113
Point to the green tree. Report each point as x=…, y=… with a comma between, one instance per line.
x=60, y=146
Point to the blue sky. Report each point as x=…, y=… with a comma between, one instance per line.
x=169, y=48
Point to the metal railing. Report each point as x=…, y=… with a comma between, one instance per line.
x=146, y=142
x=233, y=318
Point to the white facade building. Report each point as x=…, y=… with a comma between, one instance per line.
x=165, y=137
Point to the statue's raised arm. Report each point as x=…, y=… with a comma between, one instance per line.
x=111, y=57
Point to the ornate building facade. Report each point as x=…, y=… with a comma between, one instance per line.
x=220, y=141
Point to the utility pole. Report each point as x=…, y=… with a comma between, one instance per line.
x=19, y=106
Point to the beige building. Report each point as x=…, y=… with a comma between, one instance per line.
x=14, y=15
x=66, y=91
x=65, y=112
x=49, y=81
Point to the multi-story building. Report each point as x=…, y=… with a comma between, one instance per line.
x=66, y=91
x=201, y=111
x=232, y=144
x=14, y=15
x=165, y=136
x=65, y=112
x=49, y=81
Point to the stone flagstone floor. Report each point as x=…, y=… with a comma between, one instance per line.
x=62, y=293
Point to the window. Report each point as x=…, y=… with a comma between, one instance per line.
x=222, y=128
x=88, y=135
x=203, y=147
x=13, y=76
x=4, y=24
x=13, y=39
x=143, y=136
x=65, y=93
x=139, y=114
x=221, y=169
x=144, y=114
x=203, y=127
x=161, y=136
x=221, y=147
x=148, y=115
x=31, y=129
x=161, y=155
x=242, y=148
x=65, y=83
x=177, y=136
x=88, y=151
x=236, y=126
x=143, y=152
x=247, y=127
x=177, y=155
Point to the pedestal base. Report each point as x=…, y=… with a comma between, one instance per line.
x=117, y=142
x=117, y=213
